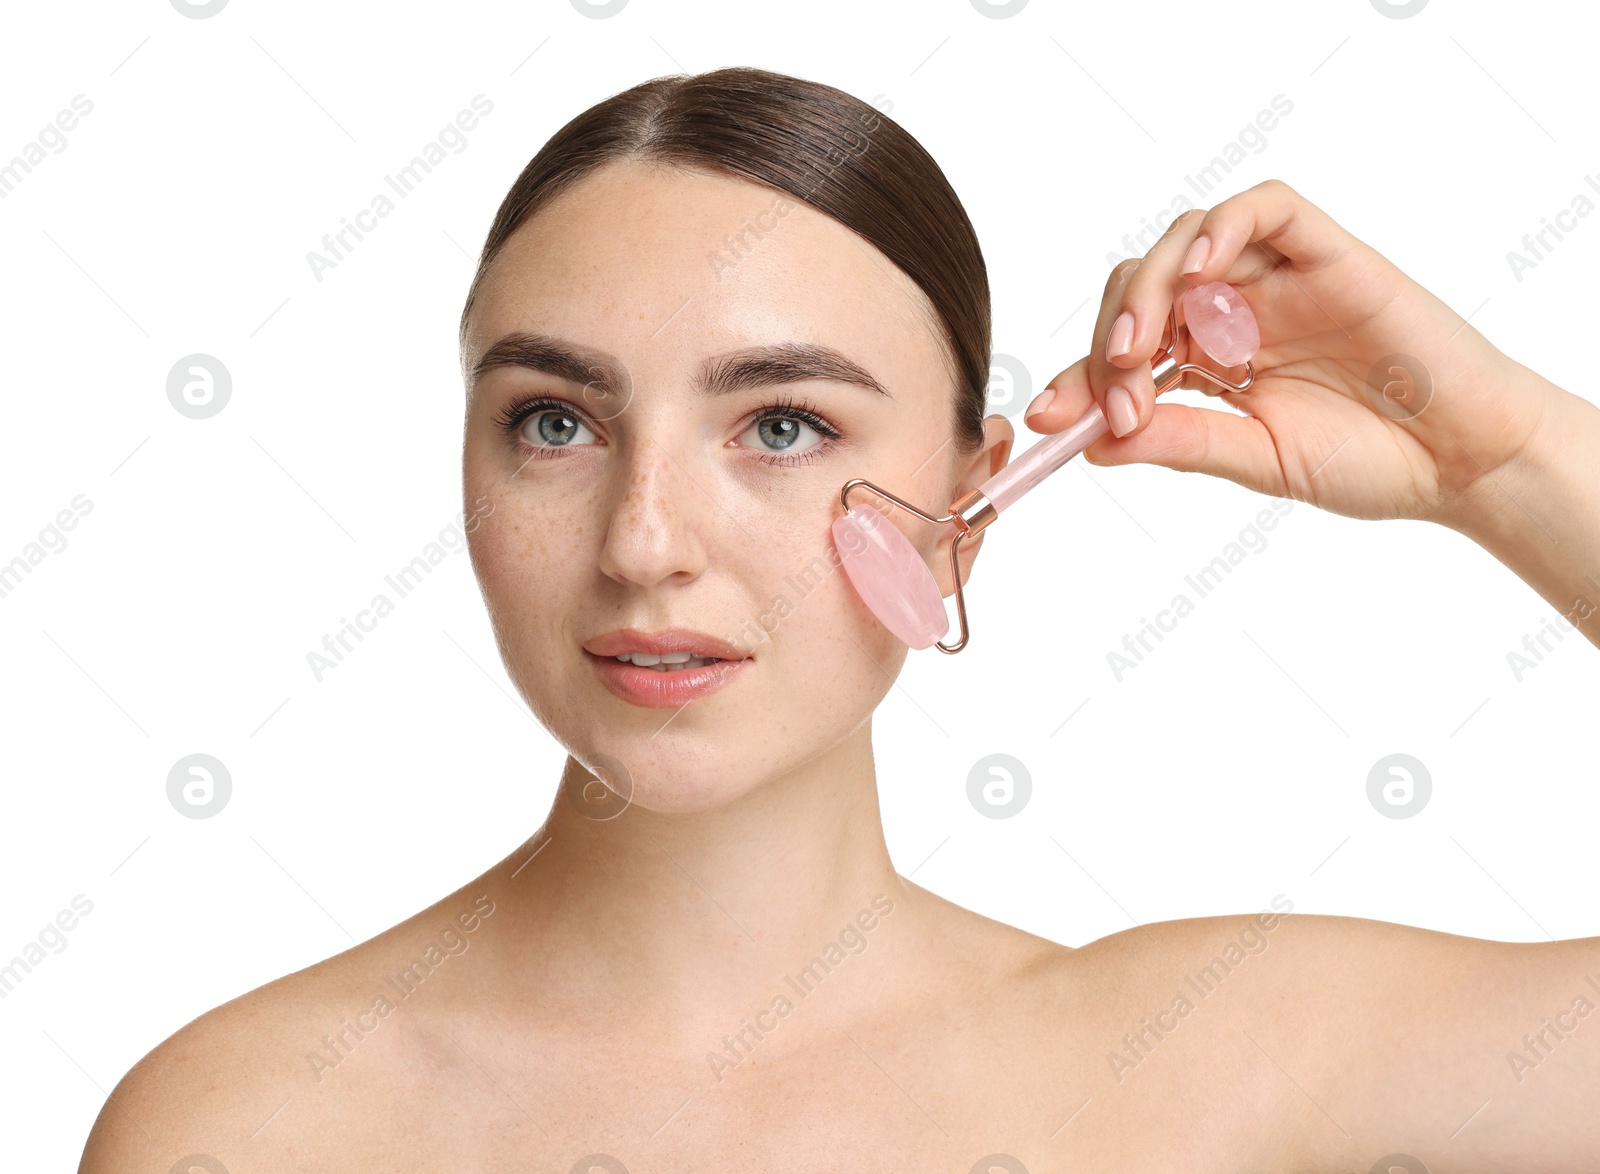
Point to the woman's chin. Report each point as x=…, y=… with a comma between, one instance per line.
x=648, y=782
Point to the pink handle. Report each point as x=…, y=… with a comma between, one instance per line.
x=1218, y=318
x=1043, y=459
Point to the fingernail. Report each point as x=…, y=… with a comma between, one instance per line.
x=1195, y=259
x=1120, y=412
x=1121, y=337
x=1040, y=403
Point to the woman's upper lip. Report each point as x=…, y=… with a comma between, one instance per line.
x=615, y=643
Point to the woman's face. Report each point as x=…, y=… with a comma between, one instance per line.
x=674, y=322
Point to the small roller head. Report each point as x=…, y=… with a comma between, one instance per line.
x=1222, y=323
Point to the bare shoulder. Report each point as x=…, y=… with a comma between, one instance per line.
x=1292, y=940
x=1305, y=979
x=255, y=1082
x=990, y=953
x=1322, y=1032
x=209, y=1087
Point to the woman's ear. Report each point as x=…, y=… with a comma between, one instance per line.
x=990, y=458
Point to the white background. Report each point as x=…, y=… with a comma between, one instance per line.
x=1230, y=766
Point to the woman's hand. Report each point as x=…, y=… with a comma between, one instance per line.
x=1333, y=417
x=1371, y=398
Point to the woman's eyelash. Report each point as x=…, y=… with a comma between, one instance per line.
x=511, y=417
x=518, y=411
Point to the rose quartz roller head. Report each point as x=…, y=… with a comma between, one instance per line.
x=889, y=573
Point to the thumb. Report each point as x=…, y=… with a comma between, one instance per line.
x=1199, y=440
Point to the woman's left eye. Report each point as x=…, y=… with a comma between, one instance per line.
x=780, y=433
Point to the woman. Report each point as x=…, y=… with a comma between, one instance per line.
x=705, y=305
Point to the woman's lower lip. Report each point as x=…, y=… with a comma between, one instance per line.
x=654, y=689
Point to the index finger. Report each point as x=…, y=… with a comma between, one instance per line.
x=1280, y=221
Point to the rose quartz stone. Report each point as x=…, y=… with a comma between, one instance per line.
x=891, y=577
x=1220, y=320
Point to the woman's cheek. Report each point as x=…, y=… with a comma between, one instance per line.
x=835, y=643
x=521, y=566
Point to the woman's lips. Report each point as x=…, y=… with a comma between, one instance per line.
x=655, y=689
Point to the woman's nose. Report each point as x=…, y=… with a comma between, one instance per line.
x=654, y=533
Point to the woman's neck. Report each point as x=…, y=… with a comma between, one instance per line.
x=684, y=916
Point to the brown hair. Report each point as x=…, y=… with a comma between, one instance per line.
x=816, y=143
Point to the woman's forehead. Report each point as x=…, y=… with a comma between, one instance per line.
x=645, y=261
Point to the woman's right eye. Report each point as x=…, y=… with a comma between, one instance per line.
x=554, y=428
x=542, y=423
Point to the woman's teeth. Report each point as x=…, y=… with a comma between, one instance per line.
x=667, y=662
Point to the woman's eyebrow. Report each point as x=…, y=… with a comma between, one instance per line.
x=789, y=362
x=757, y=366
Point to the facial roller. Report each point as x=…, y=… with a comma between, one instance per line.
x=890, y=575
